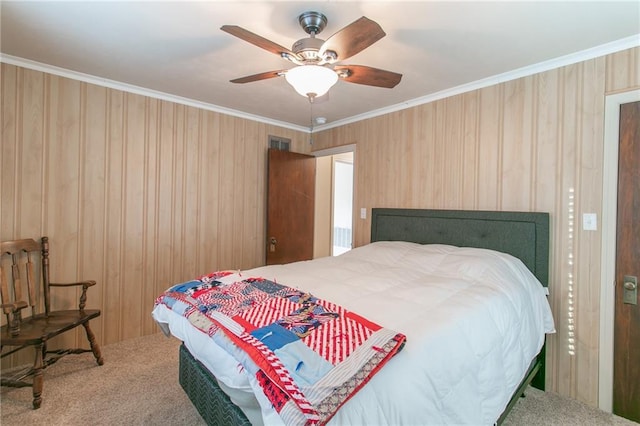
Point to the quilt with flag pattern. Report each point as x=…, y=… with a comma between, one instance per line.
x=308, y=355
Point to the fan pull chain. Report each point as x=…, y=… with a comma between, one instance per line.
x=310, y=120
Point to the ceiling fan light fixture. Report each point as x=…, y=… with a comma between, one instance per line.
x=311, y=81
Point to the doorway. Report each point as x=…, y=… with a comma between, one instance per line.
x=608, y=259
x=342, y=200
x=334, y=201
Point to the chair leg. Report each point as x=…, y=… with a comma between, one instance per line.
x=93, y=344
x=38, y=377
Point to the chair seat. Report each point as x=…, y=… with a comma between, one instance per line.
x=41, y=328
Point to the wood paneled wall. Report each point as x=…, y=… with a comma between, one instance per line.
x=134, y=192
x=139, y=193
x=532, y=144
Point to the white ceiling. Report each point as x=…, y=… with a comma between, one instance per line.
x=176, y=50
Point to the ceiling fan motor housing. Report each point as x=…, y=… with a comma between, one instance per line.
x=308, y=48
x=312, y=22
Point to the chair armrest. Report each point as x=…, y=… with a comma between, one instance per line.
x=88, y=283
x=15, y=306
x=85, y=285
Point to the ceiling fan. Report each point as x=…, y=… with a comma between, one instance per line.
x=316, y=69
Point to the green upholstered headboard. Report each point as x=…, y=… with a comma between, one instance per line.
x=524, y=235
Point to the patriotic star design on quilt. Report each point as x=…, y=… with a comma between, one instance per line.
x=308, y=355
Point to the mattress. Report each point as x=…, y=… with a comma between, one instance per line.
x=473, y=318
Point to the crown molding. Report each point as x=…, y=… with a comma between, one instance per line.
x=584, y=55
x=112, y=84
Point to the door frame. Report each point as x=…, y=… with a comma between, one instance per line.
x=334, y=160
x=331, y=152
x=336, y=150
x=608, y=233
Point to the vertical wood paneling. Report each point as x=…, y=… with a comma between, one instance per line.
x=589, y=169
x=418, y=185
x=112, y=283
x=191, y=200
x=31, y=109
x=253, y=151
x=9, y=164
x=166, y=189
x=547, y=144
x=150, y=218
x=516, y=146
x=9, y=120
x=93, y=194
x=140, y=193
x=454, y=149
x=400, y=142
x=227, y=187
x=237, y=194
x=134, y=192
x=63, y=178
x=438, y=193
x=622, y=71
x=175, y=255
x=470, y=181
x=210, y=181
x=132, y=311
x=489, y=142
x=62, y=191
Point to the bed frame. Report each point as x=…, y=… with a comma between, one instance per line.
x=524, y=235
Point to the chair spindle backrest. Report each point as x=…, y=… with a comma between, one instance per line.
x=17, y=276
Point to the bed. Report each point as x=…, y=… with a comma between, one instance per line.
x=465, y=361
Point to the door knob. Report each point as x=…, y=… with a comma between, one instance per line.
x=272, y=244
x=630, y=290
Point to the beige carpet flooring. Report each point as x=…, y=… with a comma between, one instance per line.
x=138, y=385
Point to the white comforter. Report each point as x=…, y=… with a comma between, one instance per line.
x=474, y=320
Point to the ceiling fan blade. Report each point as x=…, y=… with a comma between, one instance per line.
x=353, y=38
x=369, y=76
x=258, y=77
x=257, y=40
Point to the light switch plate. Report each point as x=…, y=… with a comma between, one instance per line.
x=363, y=213
x=590, y=222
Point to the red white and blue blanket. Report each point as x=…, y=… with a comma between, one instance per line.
x=308, y=355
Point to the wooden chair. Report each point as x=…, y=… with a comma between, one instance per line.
x=19, y=291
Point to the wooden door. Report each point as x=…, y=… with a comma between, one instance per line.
x=290, y=206
x=626, y=368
